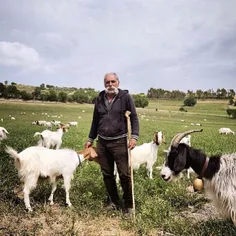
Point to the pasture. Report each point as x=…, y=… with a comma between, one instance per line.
x=161, y=207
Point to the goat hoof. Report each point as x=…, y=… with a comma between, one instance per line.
x=51, y=203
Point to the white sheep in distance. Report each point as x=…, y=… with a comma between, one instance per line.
x=145, y=154
x=73, y=123
x=218, y=173
x=52, y=139
x=226, y=131
x=39, y=162
x=3, y=133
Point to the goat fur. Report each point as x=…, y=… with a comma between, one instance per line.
x=145, y=154
x=3, y=133
x=51, y=139
x=219, y=177
x=35, y=162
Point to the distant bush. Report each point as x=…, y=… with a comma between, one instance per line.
x=190, y=101
x=231, y=112
x=140, y=100
x=231, y=101
x=182, y=109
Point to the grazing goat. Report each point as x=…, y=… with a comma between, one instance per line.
x=3, y=133
x=226, y=131
x=73, y=123
x=35, y=162
x=145, y=154
x=51, y=138
x=218, y=173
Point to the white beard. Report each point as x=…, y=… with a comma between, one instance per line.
x=111, y=90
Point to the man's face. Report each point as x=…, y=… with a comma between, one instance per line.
x=111, y=84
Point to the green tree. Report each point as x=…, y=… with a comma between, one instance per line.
x=26, y=96
x=199, y=93
x=2, y=89
x=140, y=100
x=37, y=93
x=190, y=101
x=13, y=92
x=62, y=97
x=52, y=95
x=42, y=86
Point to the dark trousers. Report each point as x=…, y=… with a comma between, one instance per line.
x=110, y=151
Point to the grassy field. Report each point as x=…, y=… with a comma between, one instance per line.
x=161, y=207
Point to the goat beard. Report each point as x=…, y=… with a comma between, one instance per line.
x=111, y=90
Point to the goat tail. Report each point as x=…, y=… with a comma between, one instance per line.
x=37, y=134
x=12, y=152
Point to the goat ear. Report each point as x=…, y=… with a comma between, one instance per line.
x=93, y=153
x=180, y=161
x=163, y=139
x=5, y=131
x=85, y=152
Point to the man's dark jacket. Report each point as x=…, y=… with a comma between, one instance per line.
x=112, y=122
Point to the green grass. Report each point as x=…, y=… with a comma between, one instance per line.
x=159, y=206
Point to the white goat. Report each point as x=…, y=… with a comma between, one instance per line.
x=73, y=123
x=56, y=122
x=145, y=154
x=226, y=131
x=218, y=173
x=35, y=162
x=51, y=138
x=3, y=133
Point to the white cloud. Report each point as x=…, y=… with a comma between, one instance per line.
x=148, y=43
x=16, y=54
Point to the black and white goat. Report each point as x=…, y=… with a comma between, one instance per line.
x=218, y=173
x=3, y=133
x=186, y=140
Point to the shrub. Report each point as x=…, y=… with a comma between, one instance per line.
x=190, y=101
x=231, y=101
x=182, y=109
x=231, y=112
x=140, y=100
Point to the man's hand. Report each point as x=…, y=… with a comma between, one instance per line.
x=132, y=143
x=88, y=145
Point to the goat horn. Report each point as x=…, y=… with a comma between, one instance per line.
x=177, y=138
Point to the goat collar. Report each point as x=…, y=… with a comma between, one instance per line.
x=204, y=167
x=79, y=159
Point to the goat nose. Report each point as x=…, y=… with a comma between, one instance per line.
x=163, y=176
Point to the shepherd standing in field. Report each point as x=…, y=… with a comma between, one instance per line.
x=109, y=124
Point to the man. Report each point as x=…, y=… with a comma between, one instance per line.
x=110, y=125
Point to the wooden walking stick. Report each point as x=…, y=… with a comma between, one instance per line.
x=127, y=115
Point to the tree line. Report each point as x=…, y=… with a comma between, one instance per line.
x=87, y=95
x=198, y=94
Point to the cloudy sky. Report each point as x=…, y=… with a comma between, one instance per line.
x=169, y=44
